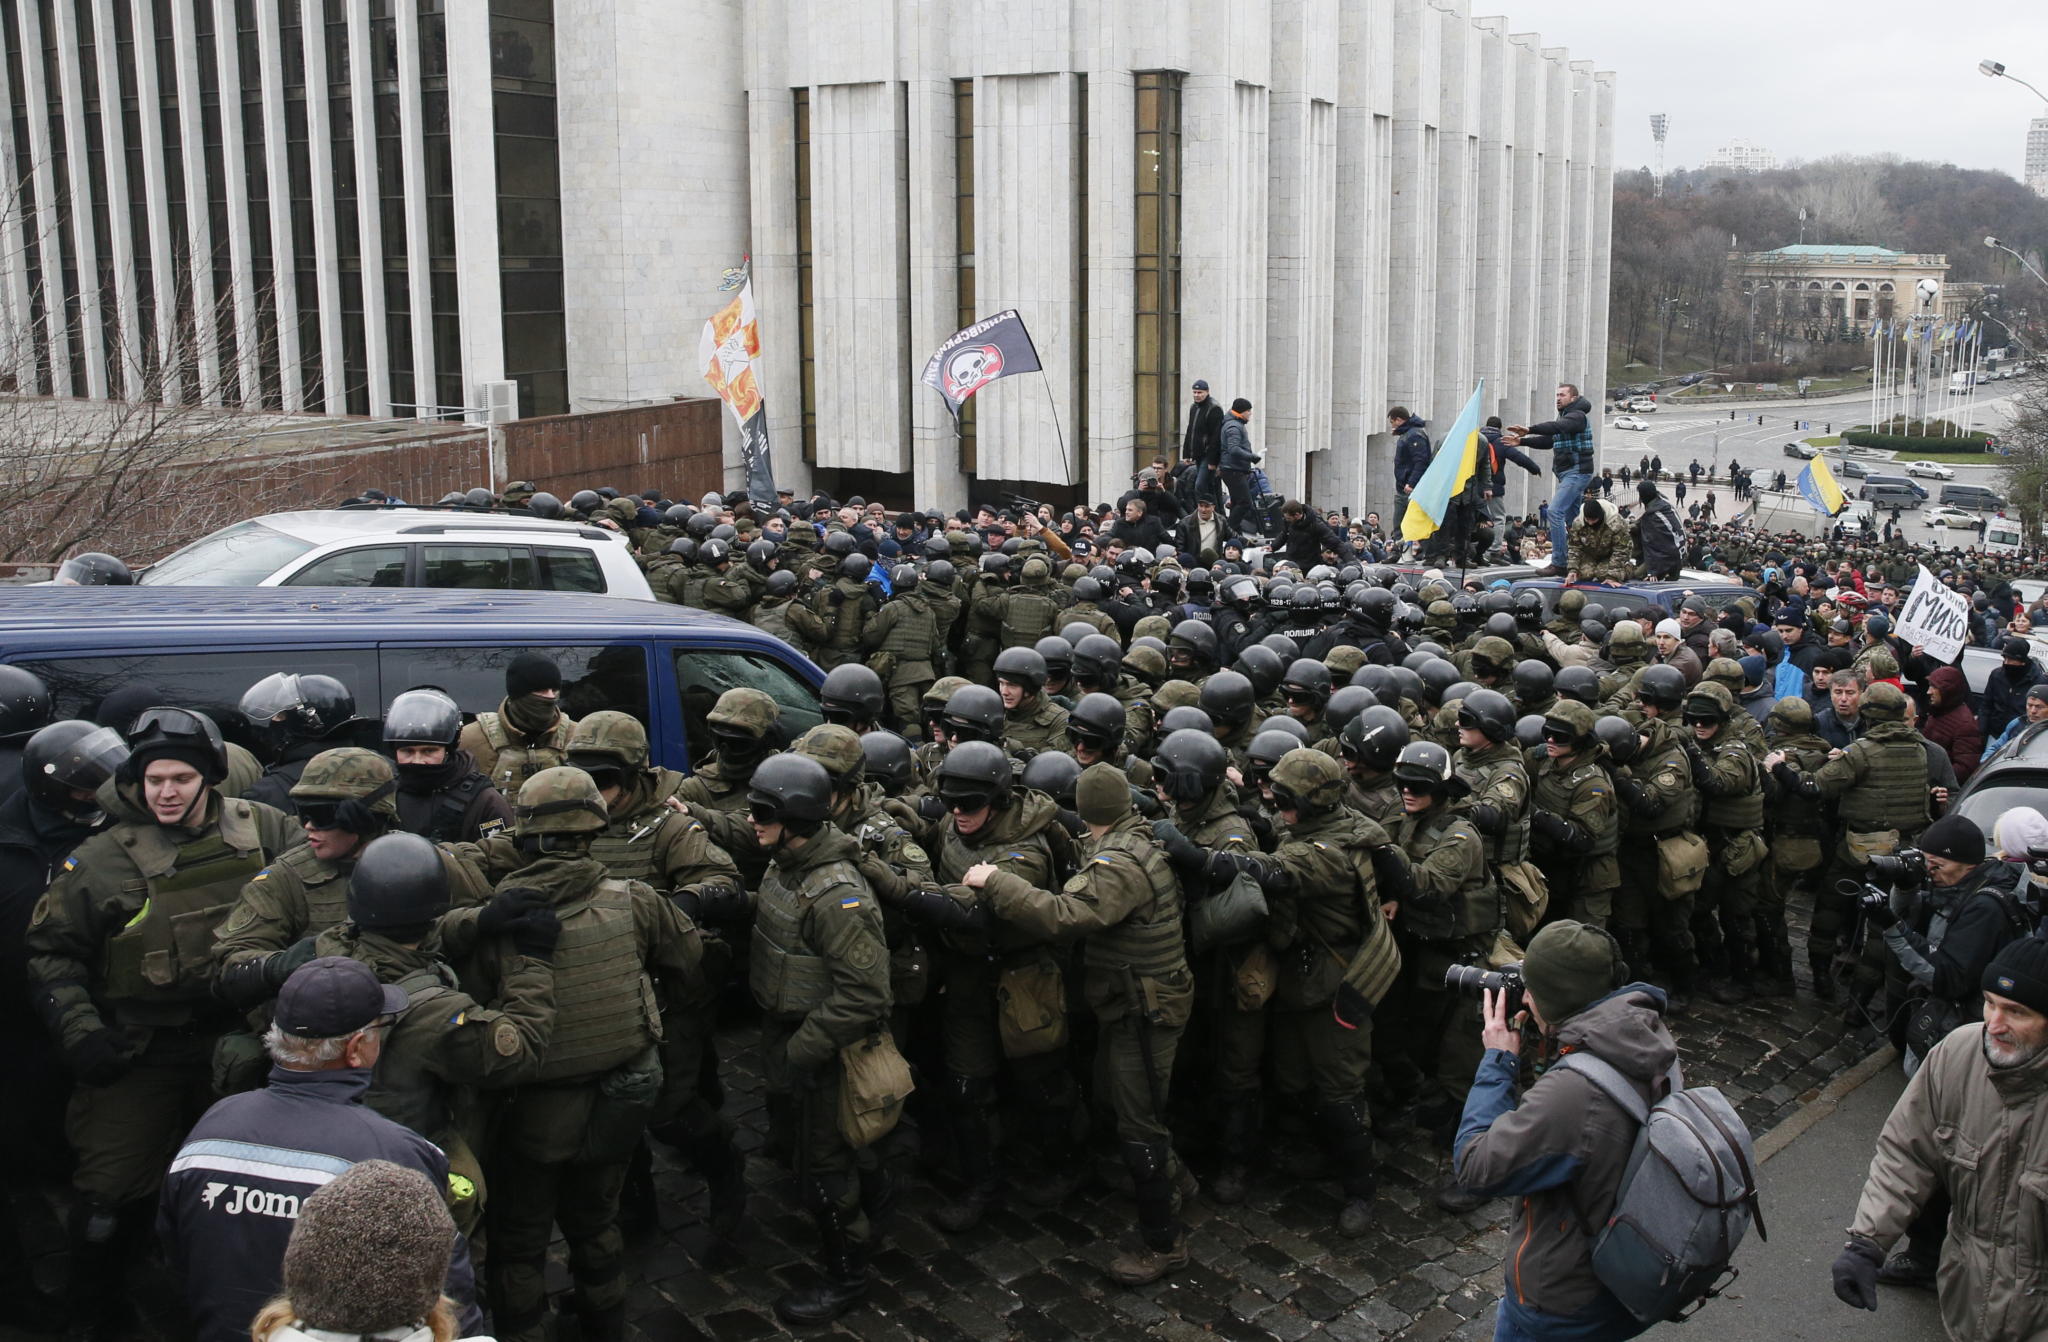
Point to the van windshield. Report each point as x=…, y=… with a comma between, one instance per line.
x=242, y=555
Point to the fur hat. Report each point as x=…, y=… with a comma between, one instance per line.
x=370, y=1251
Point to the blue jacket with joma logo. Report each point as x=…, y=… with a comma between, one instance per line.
x=235, y=1189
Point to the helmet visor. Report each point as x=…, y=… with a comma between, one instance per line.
x=423, y=719
x=89, y=761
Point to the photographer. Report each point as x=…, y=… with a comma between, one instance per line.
x=1561, y=1151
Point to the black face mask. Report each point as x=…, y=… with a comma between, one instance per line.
x=422, y=778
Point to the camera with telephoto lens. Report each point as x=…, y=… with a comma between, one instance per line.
x=1907, y=867
x=1472, y=980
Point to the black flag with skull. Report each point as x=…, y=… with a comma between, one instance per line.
x=994, y=347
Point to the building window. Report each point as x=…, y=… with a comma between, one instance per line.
x=299, y=191
x=256, y=172
x=806, y=315
x=348, y=228
x=963, y=213
x=529, y=204
x=1156, y=296
x=25, y=196
x=440, y=173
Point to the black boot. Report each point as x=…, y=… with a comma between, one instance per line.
x=724, y=1170
x=1237, y=1135
x=974, y=1102
x=1348, y=1141
x=24, y=1305
x=1051, y=1105
x=1821, y=960
x=881, y=1188
x=1634, y=949
x=95, y=1289
x=638, y=1213
x=1165, y=1247
x=843, y=1281
x=1774, y=955
x=1735, y=988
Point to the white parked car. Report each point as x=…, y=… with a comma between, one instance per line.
x=1642, y=405
x=1943, y=516
x=1933, y=470
x=407, y=547
x=1631, y=422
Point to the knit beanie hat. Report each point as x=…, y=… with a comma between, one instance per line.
x=1954, y=837
x=369, y=1251
x=1102, y=795
x=1569, y=966
x=531, y=671
x=2020, y=972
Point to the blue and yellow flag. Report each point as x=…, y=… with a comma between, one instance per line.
x=1449, y=471
x=1817, y=485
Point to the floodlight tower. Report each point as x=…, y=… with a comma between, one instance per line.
x=1659, y=123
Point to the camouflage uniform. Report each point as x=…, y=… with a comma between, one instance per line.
x=1574, y=823
x=507, y=753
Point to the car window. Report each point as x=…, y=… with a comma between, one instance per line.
x=494, y=568
x=594, y=676
x=703, y=674
x=212, y=682
x=242, y=555
x=2013, y=789
x=562, y=569
x=370, y=566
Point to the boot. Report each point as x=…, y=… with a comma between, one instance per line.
x=881, y=1189
x=724, y=1169
x=974, y=1102
x=24, y=1305
x=95, y=1293
x=1457, y=1199
x=1165, y=1246
x=1635, y=950
x=1774, y=956
x=1348, y=1141
x=843, y=1281
x=1237, y=1136
x=1822, y=962
x=1052, y=1127
x=638, y=1213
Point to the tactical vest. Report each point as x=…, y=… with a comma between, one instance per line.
x=787, y=976
x=1893, y=790
x=516, y=764
x=325, y=886
x=1149, y=939
x=605, y=1010
x=912, y=632
x=843, y=622
x=628, y=846
x=1512, y=843
x=1733, y=813
x=692, y=593
x=1029, y=614
x=404, y=1089
x=159, y=965
x=449, y=808
x=1029, y=856
x=773, y=618
x=1792, y=815
x=1676, y=817
x=1551, y=790
x=1473, y=909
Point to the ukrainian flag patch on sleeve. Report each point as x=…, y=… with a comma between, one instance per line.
x=71, y=864
x=850, y=902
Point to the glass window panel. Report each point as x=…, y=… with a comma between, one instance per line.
x=594, y=678
x=490, y=567
x=702, y=675
x=566, y=570
x=372, y=566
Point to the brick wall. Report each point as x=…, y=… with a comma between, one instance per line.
x=675, y=446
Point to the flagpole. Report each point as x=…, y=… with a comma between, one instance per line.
x=1066, y=467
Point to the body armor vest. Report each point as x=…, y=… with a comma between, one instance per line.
x=515, y=764
x=1029, y=856
x=1512, y=843
x=787, y=976
x=628, y=846
x=1473, y=909
x=1678, y=816
x=605, y=1010
x=1792, y=815
x=1149, y=939
x=914, y=630
x=1743, y=812
x=1893, y=792
x=692, y=587
x=447, y=808
x=773, y=618
x=1029, y=614
x=159, y=966
x=404, y=1090
x=1552, y=790
x=326, y=889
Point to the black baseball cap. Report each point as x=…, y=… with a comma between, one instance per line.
x=334, y=996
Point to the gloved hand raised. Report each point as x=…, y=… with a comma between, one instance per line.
x=507, y=905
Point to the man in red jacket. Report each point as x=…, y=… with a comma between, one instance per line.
x=1950, y=724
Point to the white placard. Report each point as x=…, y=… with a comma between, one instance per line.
x=1935, y=617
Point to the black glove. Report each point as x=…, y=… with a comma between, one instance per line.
x=1073, y=824
x=1856, y=1273
x=1877, y=908
x=281, y=965
x=1180, y=850
x=535, y=932
x=1488, y=818
x=1632, y=794
x=931, y=808
x=101, y=1058
x=937, y=909
x=712, y=905
x=507, y=905
x=1555, y=828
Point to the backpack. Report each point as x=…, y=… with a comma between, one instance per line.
x=1679, y=1216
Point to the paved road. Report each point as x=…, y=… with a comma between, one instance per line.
x=1810, y=1191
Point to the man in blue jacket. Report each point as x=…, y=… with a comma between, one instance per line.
x=1569, y=439
x=1411, y=454
x=234, y=1189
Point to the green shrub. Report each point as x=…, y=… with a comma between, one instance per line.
x=1894, y=442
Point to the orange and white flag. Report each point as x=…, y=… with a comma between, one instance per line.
x=730, y=348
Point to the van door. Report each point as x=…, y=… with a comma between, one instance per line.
x=696, y=675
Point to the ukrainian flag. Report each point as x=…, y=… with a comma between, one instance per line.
x=1817, y=484
x=1449, y=471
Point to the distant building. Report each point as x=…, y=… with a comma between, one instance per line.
x=1742, y=156
x=2037, y=155
x=1820, y=283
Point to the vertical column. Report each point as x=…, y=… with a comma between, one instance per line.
x=18, y=352
x=1552, y=301
x=934, y=287
x=1412, y=297
x=1526, y=245
x=198, y=219
x=362, y=101
x=284, y=279
x=1598, y=277
x=473, y=157
x=1223, y=235
x=228, y=71
x=1451, y=381
x=419, y=278
x=1301, y=256
x=1579, y=354
x=320, y=163
x=120, y=218
x=772, y=169
x=1112, y=149
x=44, y=171
x=84, y=227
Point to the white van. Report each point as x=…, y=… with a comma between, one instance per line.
x=2002, y=536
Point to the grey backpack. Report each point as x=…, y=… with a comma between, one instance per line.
x=1687, y=1197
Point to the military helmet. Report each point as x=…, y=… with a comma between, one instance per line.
x=1725, y=671
x=1343, y=662
x=1457, y=693
x=683, y=548
x=1185, y=718
x=1408, y=684
x=713, y=553
x=1571, y=603
x=1709, y=704
x=1528, y=609
x=940, y=571
x=1189, y=765
x=1377, y=604
x=1423, y=766
x=1533, y=680
x=839, y=750
x=608, y=740
x=1488, y=711
x=1660, y=687
x=1147, y=663
x=1618, y=734
x=1307, y=781
x=1153, y=627
x=1375, y=738
x=839, y=544
x=1286, y=648
x=399, y=881
x=1058, y=655
x=1228, y=698
x=1098, y=660
x=284, y=708
x=1628, y=634
x=24, y=702
x=700, y=526
x=1267, y=749
x=1569, y=721
x=1262, y=667
x=975, y=713
x=1191, y=644
x=1492, y=656
x=1073, y=632
x=1421, y=657
x=179, y=733
x=758, y=555
x=1308, y=681
x=422, y=718
x=1022, y=666
x=856, y=567
x=851, y=691
x=545, y=505
x=71, y=756
x=1495, y=602
x=1529, y=730
x=1096, y=721
x=1286, y=726
x=781, y=583
x=742, y=724
x=561, y=800
x=1346, y=704
x=789, y=789
x=1592, y=610
x=974, y=775
x=1054, y=773
x=1437, y=677
x=1087, y=588
x=1501, y=626
x=1379, y=680
x=888, y=762
x=1790, y=716
x=1884, y=702
x=348, y=788
x=587, y=501
x=1305, y=598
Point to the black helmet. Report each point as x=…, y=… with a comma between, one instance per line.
x=1501, y=625
x=1424, y=766
x=481, y=499
x=1495, y=602
x=1054, y=774
x=1437, y=676
x=1533, y=680
x=589, y=501
x=1422, y=657
x=888, y=761
x=851, y=691
x=1098, y=660
x=903, y=579
x=1286, y=647
x=1377, y=604
x=1191, y=646
x=283, y=709
x=713, y=553
x=1134, y=562
x=24, y=702
x=975, y=713
x=1269, y=745
x=1058, y=655
x=1073, y=631
x=93, y=569
x=545, y=505
x=1307, y=680
x=1262, y=666
x=1022, y=666
x=1186, y=718
x=1594, y=611
x=422, y=718
x=1488, y=711
x=684, y=549
x=838, y=544
x=938, y=547
x=791, y=789
x=182, y=733
x=1097, y=722
x=1460, y=690
x=758, y=555
x=1282, y=725
x=399, y=881
x=1429, y=646
x=1305, y=598
x=725, y=531
x=939, y=571
x=1409, y=684
x=1618, y=734
x=1529, y=609
x=1167, y=580
x=974, y=775
x=1087, y=589
x=71, y=756
x=1660, y=687
x=1375, y=738
x=1228, y=698
x=856, y=567
x=701, y=525
x=1189, y=765
x=1344, y=705
x=782, y=582
x=1529, y=730
x=1577, y=682
x=678, y=513
x=1379, y=680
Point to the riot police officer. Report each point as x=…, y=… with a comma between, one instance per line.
x=1372, y=742
x=293, y=718
x=1659, y=806
x=1729, y=777
x=1574, y=825
x=442, y=795
x=528, y=732
x=1031, y=722
x=907, y=633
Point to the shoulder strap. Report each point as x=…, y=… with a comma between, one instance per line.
x=493, y=730
x=1610, y=1081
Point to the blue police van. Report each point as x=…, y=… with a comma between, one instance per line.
x=201, y=647
x=1632, y=597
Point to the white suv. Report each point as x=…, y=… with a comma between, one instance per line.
x=407, y=547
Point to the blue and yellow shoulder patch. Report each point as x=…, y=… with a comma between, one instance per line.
x=71, y=864
x=1103, y=858
x=459, y=1017
x=850, y=902
x=262, y=875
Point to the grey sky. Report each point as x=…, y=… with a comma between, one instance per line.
x=1809, y=78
